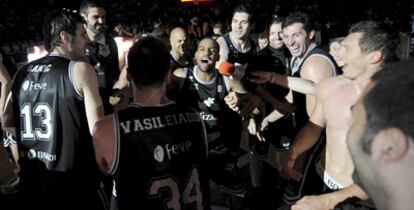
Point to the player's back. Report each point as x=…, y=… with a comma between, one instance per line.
x=57, y=157
x=160, y=158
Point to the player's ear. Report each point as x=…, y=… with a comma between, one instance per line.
x=83, y=15
x=311, y=34
x=390, y=146
x=65, y=37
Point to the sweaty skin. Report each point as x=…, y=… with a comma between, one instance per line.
x=337, y=96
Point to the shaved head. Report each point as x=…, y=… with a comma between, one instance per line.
x=178, y=38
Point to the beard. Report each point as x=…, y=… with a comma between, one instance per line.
x=97, y=28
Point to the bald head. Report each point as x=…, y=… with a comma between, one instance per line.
x=178, y=38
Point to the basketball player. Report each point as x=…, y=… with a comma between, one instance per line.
x=236, y=46
x=380, y=139
x=102, y=51
x=54, y=105
x=155, y=150
x=178, y=39
x=310, y=62
x=367, y=48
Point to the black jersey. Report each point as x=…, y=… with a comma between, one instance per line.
x=272, y=60
x=275, y=60
x=299, y=99
x=236, y=56
x=176, y=64
x=208, y=99
x=56, y=152
x=244, y=58
x=160, y=158
x=104, y=59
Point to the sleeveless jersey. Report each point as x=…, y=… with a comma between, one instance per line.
x=104, y=59
x=56, y=152
x=208, y=99
x=176, y=64
x=236, y=56
x=299, y=99
x=160, y=158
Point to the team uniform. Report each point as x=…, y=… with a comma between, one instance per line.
x=8, y=139
x=103, y=56
x=177, y=64
x=296, y=190
x=235, y=56
x=279, y=133
x=223, y=126
x=160, y=158
x=58, y=167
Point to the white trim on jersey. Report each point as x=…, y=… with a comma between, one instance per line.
x=325, y=57
x=115, y=160
x=211, y=81
x=71, y=74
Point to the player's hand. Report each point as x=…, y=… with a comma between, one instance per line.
x=252, y=127
x=321, y=202
x=232, y=101
x=260, y=77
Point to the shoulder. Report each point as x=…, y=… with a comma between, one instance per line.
x=332, y=84
x=102, y=125
x=221, y=40
x=102, y=130
x=317, y=68
x=317, y=61
x=180, y=72
x=82, y=67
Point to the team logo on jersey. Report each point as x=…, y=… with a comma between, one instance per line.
x=171, y=150
x=26, y=85
x=159, y=154
x=8, y=139
x=209, y=101
x=31, y=154
x=30, y=85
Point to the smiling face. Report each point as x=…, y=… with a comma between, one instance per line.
x=95, y=19
x=178, y=40
x=207, y=55
x=240, y=25
x=275, y=36
x=296, y=39
x=355, y=62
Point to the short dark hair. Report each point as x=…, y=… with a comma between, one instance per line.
x=337, y=39
x=299, y=17
x=377, y=36
x=55, y=24
x=86, y=4
x=275, y=20
x=263, y=35
x=148, y=62
x=244, y=8
x=390, y=102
